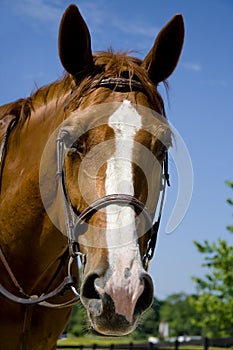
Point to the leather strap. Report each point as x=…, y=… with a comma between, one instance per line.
x=35, y=299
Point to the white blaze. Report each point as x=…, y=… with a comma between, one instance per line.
x=125, y=122
x=124, y=284
x=121, y=228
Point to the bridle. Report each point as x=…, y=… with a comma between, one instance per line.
x=74, y=222
x=121, y=84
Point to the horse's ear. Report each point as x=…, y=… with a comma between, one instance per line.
x=74, y=42
x=164, y=55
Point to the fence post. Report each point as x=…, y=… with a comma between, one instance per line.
x=176, y=344
x=151, y=346
x=206, y=343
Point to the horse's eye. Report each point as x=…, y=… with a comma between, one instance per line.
x=162, y=152
x=79, y=147
x=75, y=145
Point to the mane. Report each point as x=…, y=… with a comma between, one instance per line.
x=23, y=107
x=106, y=64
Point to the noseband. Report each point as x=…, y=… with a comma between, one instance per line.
x=73, y=222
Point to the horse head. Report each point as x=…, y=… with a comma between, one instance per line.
x=118, y=140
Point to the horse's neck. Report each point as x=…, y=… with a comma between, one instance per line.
x=30, y=241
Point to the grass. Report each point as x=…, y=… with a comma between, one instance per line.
x=90, y=340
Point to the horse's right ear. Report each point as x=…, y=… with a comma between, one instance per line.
x=74, y=42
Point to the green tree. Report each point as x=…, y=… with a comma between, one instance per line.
x=178, y=311
x=215, y=290
x=78, y=324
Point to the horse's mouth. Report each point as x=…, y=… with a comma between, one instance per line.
x=118, y=328
x=98, y=334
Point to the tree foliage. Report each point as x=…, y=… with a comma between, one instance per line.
x=178, y=311
x=215, y=290
x=78, y=325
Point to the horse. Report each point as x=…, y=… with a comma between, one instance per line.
x=83, y=163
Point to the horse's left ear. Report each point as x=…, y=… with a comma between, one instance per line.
x=164, y=55
x=74, y=42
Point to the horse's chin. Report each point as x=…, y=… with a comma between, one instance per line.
x=118, y=327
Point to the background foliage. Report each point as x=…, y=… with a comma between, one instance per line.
x=215, y=292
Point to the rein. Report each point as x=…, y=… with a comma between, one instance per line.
x=73, y=222
x=68, y=282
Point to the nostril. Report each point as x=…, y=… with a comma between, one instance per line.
x=89, y=290
x=146, y=298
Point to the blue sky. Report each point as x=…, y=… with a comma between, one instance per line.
x=200, y=100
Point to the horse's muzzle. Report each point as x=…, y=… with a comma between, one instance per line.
x=116, y=311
